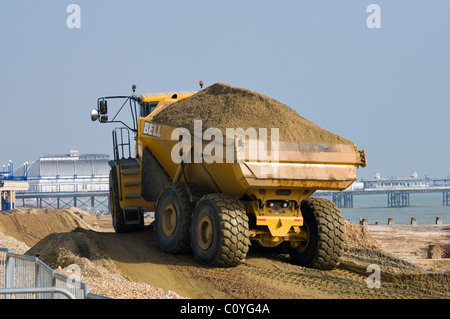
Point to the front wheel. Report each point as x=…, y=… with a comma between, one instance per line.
x=219, y=231
x=173, y=219
x=325, y=242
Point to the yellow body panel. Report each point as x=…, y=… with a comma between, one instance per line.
x=130, y=191
x=157, y=97
x=298, y=172
x=333, y=170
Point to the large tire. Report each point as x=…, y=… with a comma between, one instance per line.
x=116, y=210
x=326, y=235
x=173, y=219
x=117, y=214
x=219, y=231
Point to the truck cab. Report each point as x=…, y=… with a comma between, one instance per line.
x=129, y=178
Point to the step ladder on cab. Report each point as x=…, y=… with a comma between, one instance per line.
x=127, y=204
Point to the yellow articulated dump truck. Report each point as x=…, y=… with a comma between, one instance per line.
x=215, y=194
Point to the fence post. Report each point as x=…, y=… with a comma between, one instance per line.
x=9, y=274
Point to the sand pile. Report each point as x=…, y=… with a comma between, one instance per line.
x=224, y=106
x=14, y=244
x=62, y=238
x=30, y=226
x=83, y=248
x=359, y=236
x=64, y=249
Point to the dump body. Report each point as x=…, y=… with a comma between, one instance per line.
x=310, y=167
x=236, y=167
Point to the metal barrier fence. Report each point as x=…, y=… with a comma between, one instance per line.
x=26, y=277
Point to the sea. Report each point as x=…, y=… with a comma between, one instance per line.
x=424, y=207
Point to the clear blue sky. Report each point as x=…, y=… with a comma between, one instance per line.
x=386, y=89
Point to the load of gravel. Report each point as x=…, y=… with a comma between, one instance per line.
x=223, y=106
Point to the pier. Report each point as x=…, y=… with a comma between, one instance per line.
x=397, y=190
x=396, y=197
x=91, y=199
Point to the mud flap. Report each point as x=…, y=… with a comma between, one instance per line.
x=154, y=177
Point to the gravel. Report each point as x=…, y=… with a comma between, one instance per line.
x=224, y=106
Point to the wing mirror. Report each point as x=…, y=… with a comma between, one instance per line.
x=101, y=112
x=94, y=115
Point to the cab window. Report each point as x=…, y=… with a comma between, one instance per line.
x=147, y=108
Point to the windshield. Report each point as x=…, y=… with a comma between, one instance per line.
x=147, y=108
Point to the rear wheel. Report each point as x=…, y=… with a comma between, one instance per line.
x=324, y=226
x=219, y=231
x=173, y=219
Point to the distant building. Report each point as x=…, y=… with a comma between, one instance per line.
x=66, y=173
x=379, y=182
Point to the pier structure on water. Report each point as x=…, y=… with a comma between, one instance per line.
x=396, y=189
